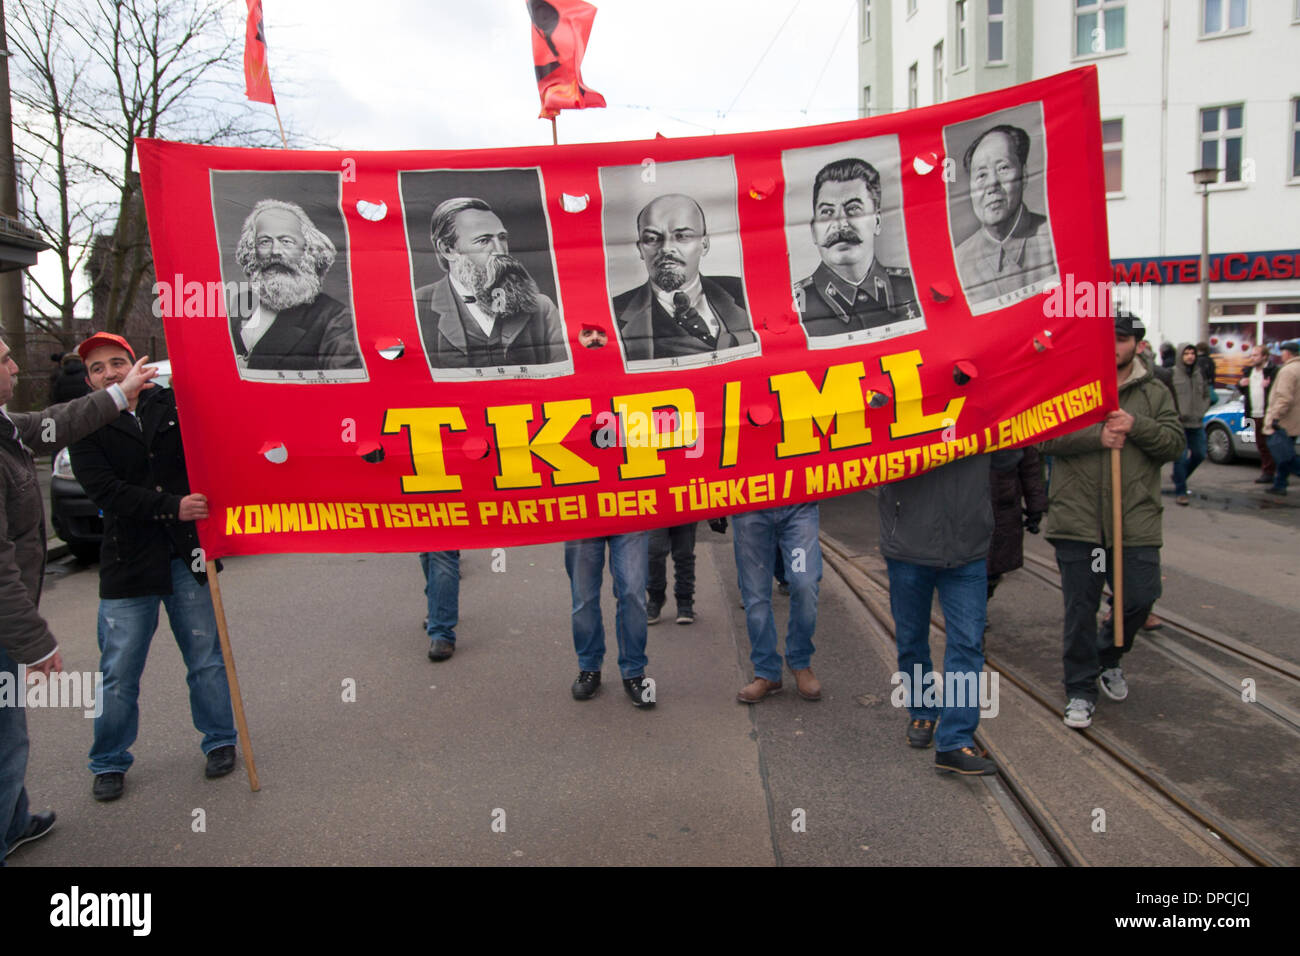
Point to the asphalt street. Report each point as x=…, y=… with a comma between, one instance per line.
x=369, y=753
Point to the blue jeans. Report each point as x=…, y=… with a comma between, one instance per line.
x=1187, y=462
x=789, y=531
x=442, y=590
x=14, y=816
x=963, y=595
x=1282, y=447
x=629, y=564
x=126, y=628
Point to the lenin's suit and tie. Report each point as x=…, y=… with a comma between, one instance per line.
x=648, y=331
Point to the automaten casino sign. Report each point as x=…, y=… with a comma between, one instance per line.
x=407, y=351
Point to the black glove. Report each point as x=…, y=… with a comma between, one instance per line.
x=1032, y=521
x=718, y=524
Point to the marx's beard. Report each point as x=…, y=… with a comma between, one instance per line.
x=502, y=287
x=668, y=271
x=281, y=285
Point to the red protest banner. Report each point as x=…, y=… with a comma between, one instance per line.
x=429, y=350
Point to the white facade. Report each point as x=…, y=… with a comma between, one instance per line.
x=1162, y=75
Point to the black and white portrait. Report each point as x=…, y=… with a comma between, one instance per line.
x=847, y=242
x=997, y=208
x=284, y=264
x=483, y=274
x=674, y=264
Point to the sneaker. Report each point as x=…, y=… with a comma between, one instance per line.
x=108, y=786
x=966, y=761
x=585, y=687
x=1280, y=492
x=441, y=649
x=653, y=609
x=920, y=733
x=641, y=690
x=1113, y=684
x=39, y=825
x=1078, y=713
x=1264, y=480
x=685, y=613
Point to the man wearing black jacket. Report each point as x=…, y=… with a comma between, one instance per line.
x=134, y=470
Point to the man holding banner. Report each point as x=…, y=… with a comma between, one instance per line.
x=1146, y=429
x=629, y=563
x=134, y=470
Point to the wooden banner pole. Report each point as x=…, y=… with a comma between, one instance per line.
x=236, y=698
x=555, y=135
x=1117, y=545
x=284, y=141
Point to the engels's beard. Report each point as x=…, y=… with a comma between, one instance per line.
x=502, y=287
x=668, y=271
x=280, y=284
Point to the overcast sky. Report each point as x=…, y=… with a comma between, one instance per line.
x=447, y=74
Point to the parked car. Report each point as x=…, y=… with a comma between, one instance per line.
x=1229, y=434
x=76, y=519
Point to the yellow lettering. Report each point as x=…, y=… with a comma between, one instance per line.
x=516, y=450
x=902, y=369
x=424, y=431
x=838, y=402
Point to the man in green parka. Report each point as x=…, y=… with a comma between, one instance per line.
x=1147, y=431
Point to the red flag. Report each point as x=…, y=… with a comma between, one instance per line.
x=257, y=74
x=560, y=32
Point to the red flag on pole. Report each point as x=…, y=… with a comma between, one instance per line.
x=560, y=32
x=257, y=74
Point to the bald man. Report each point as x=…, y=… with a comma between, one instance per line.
x=679, y=312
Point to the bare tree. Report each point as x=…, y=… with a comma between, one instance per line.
x=97, y=75
x=50, y=93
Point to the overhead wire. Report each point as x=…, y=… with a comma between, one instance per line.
x=771, y=43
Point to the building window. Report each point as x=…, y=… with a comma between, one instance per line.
x=938, y=72
x=1098, y=26
x=866, y=101
x=1295, y=137
x=911, y=87
x=1222, y=131
x=1220, y=16
x=1112, y=154
x=866, y=20
x=961, y=34
x=996, y=23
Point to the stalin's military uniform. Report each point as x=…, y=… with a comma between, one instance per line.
x=832, y=305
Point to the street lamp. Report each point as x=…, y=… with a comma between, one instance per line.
x=1203, y=177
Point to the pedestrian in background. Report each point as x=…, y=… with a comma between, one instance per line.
x=1255, y=386
x=1192, y=391
x=1282, y=420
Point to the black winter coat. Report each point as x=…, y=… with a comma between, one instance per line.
x=1009, y=488
x=136, y=475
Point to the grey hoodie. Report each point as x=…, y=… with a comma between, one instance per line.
x=1192, y=391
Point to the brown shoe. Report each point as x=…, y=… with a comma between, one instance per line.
x=810, y=688
x=757, y=689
